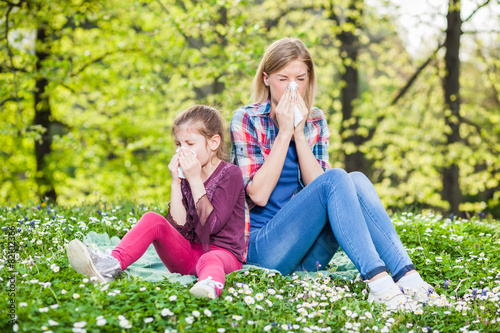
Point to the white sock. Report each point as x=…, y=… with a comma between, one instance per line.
x=411, y=281
x=380, y=285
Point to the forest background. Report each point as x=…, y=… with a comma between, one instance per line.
x=89, y=89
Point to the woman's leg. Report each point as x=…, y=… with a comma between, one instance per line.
x=382, y=231
x=216, y=264
x=321, y=252
x=286, y=240
x=174, y=250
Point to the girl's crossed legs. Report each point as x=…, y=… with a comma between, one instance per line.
x=175, y=251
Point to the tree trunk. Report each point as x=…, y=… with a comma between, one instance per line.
x=349, y=50
x=43, y=117
x=451, y=185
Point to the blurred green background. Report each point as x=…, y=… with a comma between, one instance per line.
x=89, y=89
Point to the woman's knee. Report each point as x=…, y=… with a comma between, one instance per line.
x=336, y=176
x=357, y=175
x=336, y=172
x=359, y=179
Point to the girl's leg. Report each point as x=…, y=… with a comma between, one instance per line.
x=382, y=231
x=216, y=264
x=173, y=249
x=286, y=240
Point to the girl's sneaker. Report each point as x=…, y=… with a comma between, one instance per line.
x=206, y=288
x=394, y=299
x=92, y=262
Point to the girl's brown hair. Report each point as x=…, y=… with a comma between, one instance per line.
x=278, y=55
x=208, y=120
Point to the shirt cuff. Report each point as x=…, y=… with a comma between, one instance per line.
x=171, y=220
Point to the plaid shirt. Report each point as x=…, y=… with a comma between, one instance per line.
x=253, y=134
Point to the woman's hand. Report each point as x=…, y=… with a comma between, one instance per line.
x=284, y=113
x=301, y=105
x=190, y=165
x=172, y=168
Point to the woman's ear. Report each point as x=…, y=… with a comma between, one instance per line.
x=265, y=77
x=214, y=142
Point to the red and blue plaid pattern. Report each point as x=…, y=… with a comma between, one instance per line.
x=252, y=136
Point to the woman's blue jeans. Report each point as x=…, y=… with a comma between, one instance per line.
x=336, y=209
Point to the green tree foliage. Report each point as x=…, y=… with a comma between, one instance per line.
x=417, y=146
x=117, y=72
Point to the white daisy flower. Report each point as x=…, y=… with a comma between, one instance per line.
x=249, y=300
x=166, y=312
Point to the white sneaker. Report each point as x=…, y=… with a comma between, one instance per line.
x=421, y=294
x=206, y=288
x=92, y=263
x=394, y=299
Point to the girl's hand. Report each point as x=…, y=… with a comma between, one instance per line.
x=299, y=102
x=190, y=165
x=172, y=168
x=284, y=112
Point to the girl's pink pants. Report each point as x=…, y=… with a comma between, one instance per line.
x=175, y=251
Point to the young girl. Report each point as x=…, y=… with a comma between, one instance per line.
x=300, y=211
x=203, y=232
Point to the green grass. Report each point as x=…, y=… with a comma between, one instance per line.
x=50, y=296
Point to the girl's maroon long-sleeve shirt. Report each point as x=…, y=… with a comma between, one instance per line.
x=224, y=220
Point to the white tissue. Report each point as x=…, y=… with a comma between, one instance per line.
x=180, y=174
x=296, y=112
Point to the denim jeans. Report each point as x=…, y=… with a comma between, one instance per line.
x=336, y=209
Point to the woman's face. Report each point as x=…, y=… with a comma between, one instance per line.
x=278, y=81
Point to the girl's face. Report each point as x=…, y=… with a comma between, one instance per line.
x=278, y=81
x=188, y=136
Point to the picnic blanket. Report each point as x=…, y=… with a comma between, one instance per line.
x=150, y=268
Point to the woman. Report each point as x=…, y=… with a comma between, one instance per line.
x=301, y=211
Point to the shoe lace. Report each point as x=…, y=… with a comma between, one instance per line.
x=213, y=284
x=100, y=255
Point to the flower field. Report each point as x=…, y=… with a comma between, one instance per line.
x=461, y=258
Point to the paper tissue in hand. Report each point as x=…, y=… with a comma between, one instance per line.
x=296, y=112
x=180, y=174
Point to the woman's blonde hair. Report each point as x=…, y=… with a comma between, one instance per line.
x=278, y=55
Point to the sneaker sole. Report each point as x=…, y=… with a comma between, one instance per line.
x=81, y=262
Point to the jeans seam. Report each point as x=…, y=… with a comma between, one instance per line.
x=292, y=206
x=363, y=204
x=313, y=189
x=332, y=186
